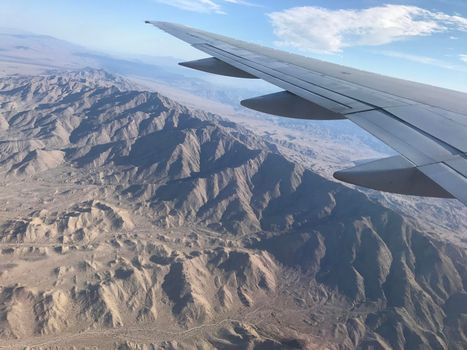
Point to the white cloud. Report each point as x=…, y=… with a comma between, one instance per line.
x=424, y=60
x=329, y=31
x=203, y=6
x=463, y=58
x=242, y=2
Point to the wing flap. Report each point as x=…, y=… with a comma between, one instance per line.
x=448, y=178
x=459, y=164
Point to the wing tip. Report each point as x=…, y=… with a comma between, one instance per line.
x=157, y=23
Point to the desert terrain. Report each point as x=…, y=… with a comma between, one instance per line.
x=133, y=220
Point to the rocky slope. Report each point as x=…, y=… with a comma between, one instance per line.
x=155, y=225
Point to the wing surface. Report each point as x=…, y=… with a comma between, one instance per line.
x=427, y=125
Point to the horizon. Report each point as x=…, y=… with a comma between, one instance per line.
x=426, y=41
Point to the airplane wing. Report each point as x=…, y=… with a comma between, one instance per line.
x=426, y=125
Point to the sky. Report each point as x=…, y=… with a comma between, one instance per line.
x=421, y=40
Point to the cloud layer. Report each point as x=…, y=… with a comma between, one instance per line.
x=203, y=6
x=329, y=31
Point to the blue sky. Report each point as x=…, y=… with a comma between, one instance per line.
x=419, y=40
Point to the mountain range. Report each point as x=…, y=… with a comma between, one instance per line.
x=128, y=220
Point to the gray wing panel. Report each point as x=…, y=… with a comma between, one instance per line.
x=416, y=146
x=316, y=94
x=447, y=127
